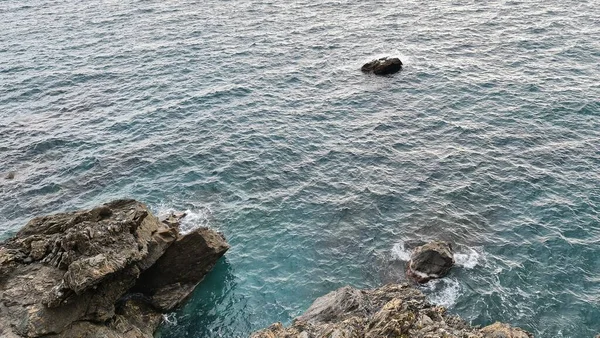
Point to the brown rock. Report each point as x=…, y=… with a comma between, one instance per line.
x=63, y=275
x=501, y=330
x=173, y=219
x=391, y=311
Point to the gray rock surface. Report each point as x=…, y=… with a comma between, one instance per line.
x=70, y=274
x=429, y=261
x=392, y=311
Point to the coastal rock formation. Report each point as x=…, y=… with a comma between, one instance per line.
x=502, y=330
x=392, y=311
x=383, y=66
x=95, y=273
x=429, y=261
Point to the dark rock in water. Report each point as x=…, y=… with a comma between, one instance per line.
x=432, y=260
x=395, y=310
x=69, y=274
x=383, y=66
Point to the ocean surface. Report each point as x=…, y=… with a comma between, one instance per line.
x=255, y=118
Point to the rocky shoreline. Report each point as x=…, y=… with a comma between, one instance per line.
x=114, y=270
x=111, y=271
x=391, y=311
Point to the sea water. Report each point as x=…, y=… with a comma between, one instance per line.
x=253, y=116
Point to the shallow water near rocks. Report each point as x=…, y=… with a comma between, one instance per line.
x=254, y=116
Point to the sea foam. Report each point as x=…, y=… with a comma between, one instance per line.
x=444, y=292
x=194, y=218
x=466, y=258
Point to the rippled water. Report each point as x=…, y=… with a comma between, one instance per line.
x=254, y=116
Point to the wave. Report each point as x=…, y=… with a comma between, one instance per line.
x=193, y=219
x=399, y=252
x=444, y=292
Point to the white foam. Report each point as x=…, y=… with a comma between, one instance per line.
x=467, y=260
x=170, y=319
x=193, y=219
x=400, y=252
x=444, y=292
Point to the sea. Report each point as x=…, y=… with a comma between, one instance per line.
x=254, y=118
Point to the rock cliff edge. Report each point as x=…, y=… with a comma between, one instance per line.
x=106, y=272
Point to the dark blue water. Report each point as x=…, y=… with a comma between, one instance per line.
x=254, y=116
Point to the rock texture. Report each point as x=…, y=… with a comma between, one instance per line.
x=392, y=311
x=429, y=261
x=97, y=273
x=383, y=66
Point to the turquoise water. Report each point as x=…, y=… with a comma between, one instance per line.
x=254, y=116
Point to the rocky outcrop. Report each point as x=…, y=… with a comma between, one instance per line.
x=383, y=66
x=177, y=273
x=392, y=311
x=429, y=261
x=95, y=273
x=502, y=330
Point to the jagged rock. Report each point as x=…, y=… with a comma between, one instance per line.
x=501, y=330
x=63, y=275
x=172, y=278
x=432, y=260
x=173, y=219
x=395, y=310
x=383, y=66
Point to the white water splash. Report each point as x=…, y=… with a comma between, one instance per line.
x=467, y=260
x=193, y=219
x=444, y=292
x=400, y=252
x=169, y=319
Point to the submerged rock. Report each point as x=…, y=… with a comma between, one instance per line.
x=429, y=261
x=10, y=175
x=395, y=310
x=72, y=274
x=383, y=66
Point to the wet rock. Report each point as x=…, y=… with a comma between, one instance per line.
x=64, y=275
x=395, y=310
x=383, y=66
x=10, y=175
x=173, y=219
x=429, y=261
